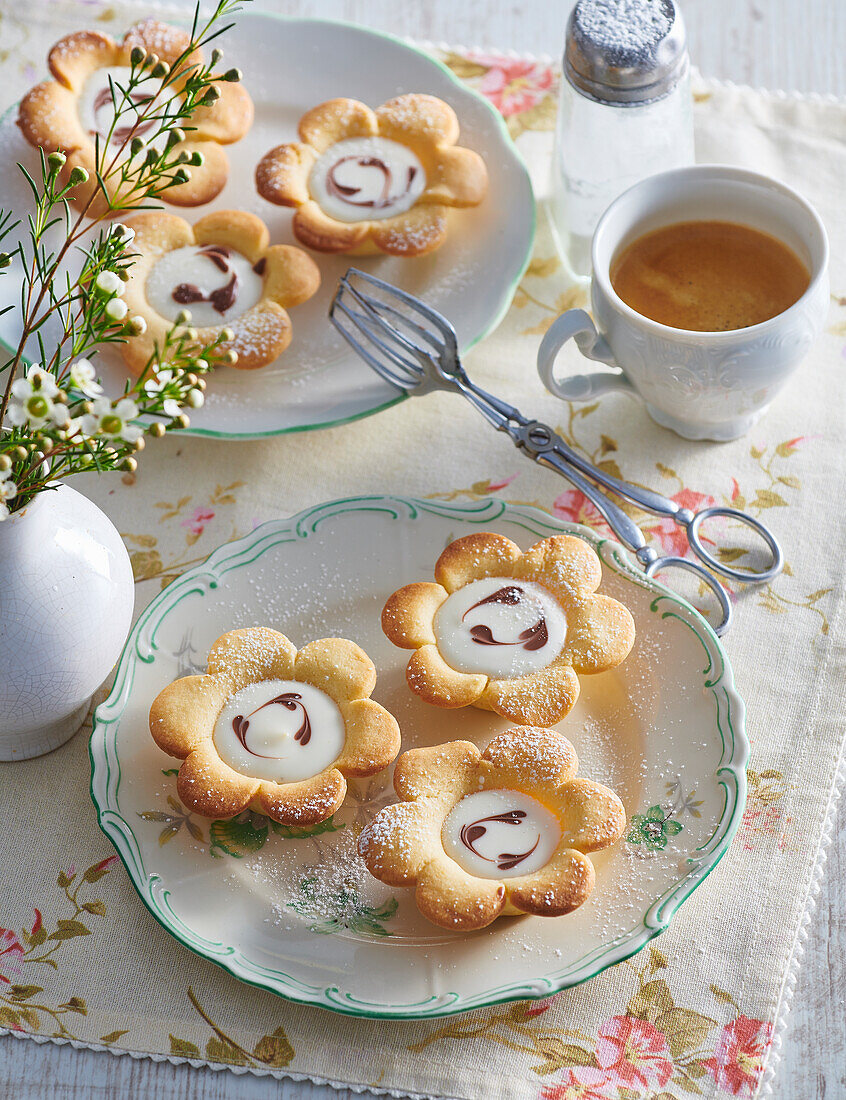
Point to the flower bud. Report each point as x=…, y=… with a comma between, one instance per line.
x=122, y=233
x=5, y=463
x=184, y=157
x=196, y=159
x=152, y=60
x=183, y=317
x=116, y=309
x=60, y=398
x=129, y=464
x=151, y=157
x=135, y=146
x=190, y=334
x=230, y=358
x=182, y=421
x=139, y=444
x=157, y=430
x=109, y=284
x=56, y=161
x=211, y=96
x=201, y=383
x=160, y=71
x=233, y=75
x=138, y=56
x=216, y=56
x=137, y=325
x=195, y=399
x=78, y=175
x=85, y=459
x=175, y=137
x=226, y=334
x=20, y=453
x=5, y=260
x=181, y=175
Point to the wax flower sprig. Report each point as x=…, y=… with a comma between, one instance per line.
x=55, y=418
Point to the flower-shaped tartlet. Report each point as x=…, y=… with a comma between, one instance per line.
x=273, y=729
x=222, y=271
x=366, y=181
x=508, y=631
x=498, y=833
x=66, y=113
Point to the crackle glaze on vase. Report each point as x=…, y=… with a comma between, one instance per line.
x=66, y=600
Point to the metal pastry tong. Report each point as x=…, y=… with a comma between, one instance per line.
x=415, y=349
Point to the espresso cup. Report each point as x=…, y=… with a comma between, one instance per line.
x=702, y=385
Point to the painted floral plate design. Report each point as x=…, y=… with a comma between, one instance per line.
x=294, y=911
x=319, y=382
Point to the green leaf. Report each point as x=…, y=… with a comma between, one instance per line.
x=655, y=813
x=68, y=929
x=293, y=832
x=113, y=1036
x=667, y=471
x=790, y=481
x=730, y=553
x=63, y=880
x=76, y=1004
x=757, y=452
x=657, y=960
x=95, y=873
x=235, y=837
x=220, y=1050
x=651, y=1001
x=672, y=827
x=24, y=992
x=182, y=1047
x=684, y=1030
x=722, y=996
x=557, y=1055
x=768, y=498
x=170, y=771
x=607, y=444
x=8, y=1018
x=274, y=1050
x=37, y=938
x=96, y=907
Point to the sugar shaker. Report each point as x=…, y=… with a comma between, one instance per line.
x=625, y=111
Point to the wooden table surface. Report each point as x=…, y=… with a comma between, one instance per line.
x=789, y=44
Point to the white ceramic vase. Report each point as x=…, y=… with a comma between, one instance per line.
x=66, y=600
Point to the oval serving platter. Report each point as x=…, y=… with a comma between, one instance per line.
x=319, y=382
x=294, y=911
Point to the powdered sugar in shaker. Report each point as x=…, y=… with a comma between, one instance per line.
x=625, y=111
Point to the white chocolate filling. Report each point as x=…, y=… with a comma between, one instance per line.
x=96, y=107
x=280, y=730
x=500, y=627
x=366, y=179
x=500, y=834
x=214, y=284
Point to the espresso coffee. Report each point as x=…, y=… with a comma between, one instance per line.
x=708, y=276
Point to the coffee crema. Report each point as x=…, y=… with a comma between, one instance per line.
x=708, y=276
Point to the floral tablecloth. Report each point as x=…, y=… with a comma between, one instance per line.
x=700, y=1012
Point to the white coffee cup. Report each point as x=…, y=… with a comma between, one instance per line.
x=703, y=385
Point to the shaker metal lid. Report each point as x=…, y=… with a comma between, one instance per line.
x=625, y=51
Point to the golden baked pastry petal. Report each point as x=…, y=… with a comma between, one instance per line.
x=482, y=554
x=565, y=564
x=458, y=178
x=234, y=229
x=229, y=118
x=183, y=714
x=429, y=676
x=539, y=699
x=419, y=230
x=565, y=883
x=290, y=275
x=207, y=180
x=592, y=815
x=259, y=336
x=48, y=118
x=372, y=738
x=448, y=896
x=442, y=773
x=253, y=653
x=306, y=803
x=408, y=616
x=600, y=634
x=282, y=174
x=337, y=666
x=398, y=843
x=335, y=120
x=74, y=57
x=167, y=42
x=418, y=121
x=210, y=787
x=531, y=759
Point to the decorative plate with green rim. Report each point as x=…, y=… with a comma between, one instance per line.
x=319, y=382
x=295, y=911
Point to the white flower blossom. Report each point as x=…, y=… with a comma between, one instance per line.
x=84, y=377
x=109, y=283
x=154, y=386
x=116, y=309
x=113, y=421
x=32, y=400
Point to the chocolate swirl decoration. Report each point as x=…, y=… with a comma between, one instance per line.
x=129, y=129
x=347, y=194
x=533, y=638
x=474, y=832
x=288, y=699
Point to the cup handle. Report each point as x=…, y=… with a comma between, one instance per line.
x=577, y=324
